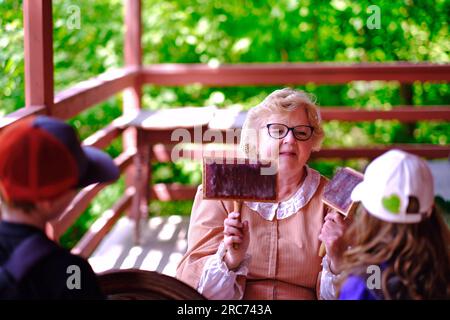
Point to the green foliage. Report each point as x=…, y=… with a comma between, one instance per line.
x=11, y=57
x=160, y=208
x=289, y=30
x=80, y=54
x=443, y=207
x=183, y=171
x=239, y=31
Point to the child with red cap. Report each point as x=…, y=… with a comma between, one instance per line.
x=399, y=242
x=42, y=164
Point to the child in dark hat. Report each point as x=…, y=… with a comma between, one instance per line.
x=42, y=165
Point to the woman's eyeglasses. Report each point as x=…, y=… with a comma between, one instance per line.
x=279, y=131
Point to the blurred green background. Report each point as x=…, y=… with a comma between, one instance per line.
x=217, y=32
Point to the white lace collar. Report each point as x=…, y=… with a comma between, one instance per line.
x=287, y=208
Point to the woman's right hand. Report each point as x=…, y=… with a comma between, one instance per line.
x=235, y=232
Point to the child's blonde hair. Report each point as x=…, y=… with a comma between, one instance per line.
x=416, y=255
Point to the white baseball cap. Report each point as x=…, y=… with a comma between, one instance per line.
x=397, y=187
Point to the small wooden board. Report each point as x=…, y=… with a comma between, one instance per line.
x=337, y=193
x=238, y=179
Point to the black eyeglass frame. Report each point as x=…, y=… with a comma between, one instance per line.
x=290, y=129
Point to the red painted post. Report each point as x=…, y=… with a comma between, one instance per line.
x=142, y=174
x=38, y=47
x=38, y=44
x=131, y=105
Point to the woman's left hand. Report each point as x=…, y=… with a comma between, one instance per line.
x=331, y=234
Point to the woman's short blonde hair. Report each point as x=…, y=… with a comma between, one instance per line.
x=280, y=102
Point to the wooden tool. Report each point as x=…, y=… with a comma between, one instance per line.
x=239, y=179
x=337, y=194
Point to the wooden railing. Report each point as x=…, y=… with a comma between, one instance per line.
x=292, y=73
x=70, y=102
x=130, y=79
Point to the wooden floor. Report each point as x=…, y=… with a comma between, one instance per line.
x=163, y=245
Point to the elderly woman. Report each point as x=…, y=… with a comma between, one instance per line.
x=277, y=256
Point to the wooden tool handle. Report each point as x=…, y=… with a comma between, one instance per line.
x=237, y=208
x=322, y=250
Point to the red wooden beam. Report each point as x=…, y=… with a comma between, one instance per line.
x=103, y=137
x=424, y=150
x=74, y=210
x=229, y=119
x=292, y=73
x=140, y=178
x=162, y=153
x=83, y=199
x=132, y=96
x=403, y=114
x=38, y=47
x=173, y=191
x=21, y=113
x=125, y=159
x=102, y=226
x=70, y=102
x=133, y=54
x=133, y=31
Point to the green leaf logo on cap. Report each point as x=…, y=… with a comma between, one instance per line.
x=392, y=203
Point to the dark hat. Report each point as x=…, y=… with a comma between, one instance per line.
x=42, y=157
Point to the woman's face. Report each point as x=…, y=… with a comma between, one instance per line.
x=292, y=153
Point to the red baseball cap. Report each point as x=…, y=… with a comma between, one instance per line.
x=42, y=157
